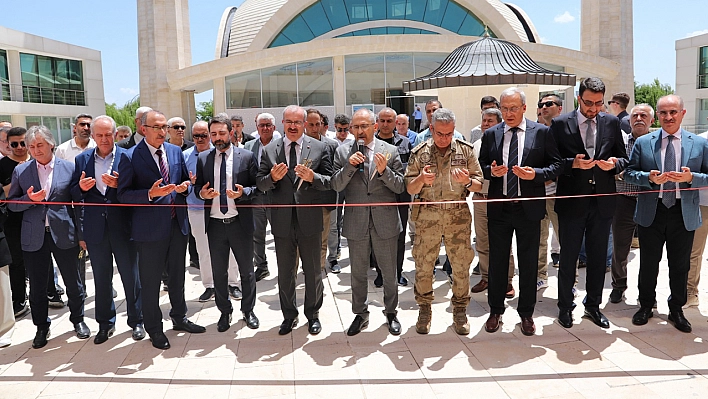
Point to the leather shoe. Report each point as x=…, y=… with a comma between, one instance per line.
x=334, y=266
x=361, y=321
x=82, y=330
x=378, y=281
x=510, y=292
x=493, y=323
x=313, y=326
x=188, y=326
x=479, y=287
x=394, y=326
x=642, y=316
x=597, y=317
x=528, y=328
x=251, y=320
x=565, y=318
x=224, y=322
x=287, y=326
x=261, y=273
x=402, y=281
x=138, y=332
x=680, y=321
x=40, y=339
x=103, y=335
x=159, y=340
x=616, y=295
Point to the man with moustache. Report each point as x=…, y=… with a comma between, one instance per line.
x=176, y=133
x=402, y=128
x=5, y=149
x=123, y=132
x=342, y=136
x=80, y=142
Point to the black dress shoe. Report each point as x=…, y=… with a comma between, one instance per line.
x=224, y=322
x=314, y=327
x=597, y=317
x=40, y=339
x=361, y=321
x=159, y=340
x=188, y=326
x=378, y=281
x=138, y=332
x=251, y=320
x=642, y=316
x=20, y=309
x=616, y=295
x=394, y=326
x=261, y=273
x=565, y=318
x=82, y=330
x=680, y=321
x=60, y=289
x=235, y=292
x=287, y=326
x=103, y=335
x=334, y=266
x=402, y=281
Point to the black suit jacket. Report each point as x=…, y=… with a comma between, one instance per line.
x=608, y=143
x=540, y=152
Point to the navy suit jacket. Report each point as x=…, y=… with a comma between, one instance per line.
x=646, y=156
x=244, y=172
x=94, y=218
x=62, y=218
x=137, y=172
x=540, y=153
x=608, y=143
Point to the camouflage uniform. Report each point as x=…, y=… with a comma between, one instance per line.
x=433, y=221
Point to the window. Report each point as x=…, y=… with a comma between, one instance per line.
x=59, y=126
x=49, y=80
x=244, y=90
x=4, y=77
x=315, y=83
x=703, y=68
x=279, y=86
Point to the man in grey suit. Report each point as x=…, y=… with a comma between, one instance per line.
x=370, y=227
x=668, y=163
x=293, y=170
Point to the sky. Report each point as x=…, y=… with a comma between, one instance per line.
x=111, y=27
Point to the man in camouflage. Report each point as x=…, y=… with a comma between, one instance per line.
x=441, y=172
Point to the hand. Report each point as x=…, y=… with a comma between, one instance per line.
x=192, y=177
x=304, y=173
x=82, y=244
x=278, y=171
x=237, y=193
x=658, y=178
x=427, y=176
x=208, y=193
x=158, y=191
x=684, y=176
x=498, y=171
x=607, y=165
x=524, y=172
x=86, y=183
x=183, y=187
x=580, y=163
x=381, y=161
x=461, y=175
x=110, y=181
x=38, y=196
x=356, y=159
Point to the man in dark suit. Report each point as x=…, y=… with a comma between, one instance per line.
x=370, y=227
x=106, y=229
x=48, y=230
x=229, y=228
x=670, y=164
x=294, y=169
x=154, y=173
x=137, y=136
x=517, y=156
x=592, y=151
x=7, y=317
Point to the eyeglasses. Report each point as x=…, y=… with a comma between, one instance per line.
x=357, y=127
x=199, y=136
x=16, y=144
x=342, y=129
x=548, y=104
x=589, y=103
x=157, y=127
x=296, y=123
x=505, y=110
x=179, y=127
x=265, y=126
x=612, y=102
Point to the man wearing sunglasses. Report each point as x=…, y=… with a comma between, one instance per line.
x=176, y=130
x=80, y=142
x=618, y=107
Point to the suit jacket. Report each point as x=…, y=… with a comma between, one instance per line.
x=94, y=218
x=285, y=192
x=138, y=171
x=608, y=143
x=128, y=142
x=540, y=152
x=254, y=146
x=646, y=156
x=5, y=256
x=360, y=189
x=244, y=173
x=62, y=218
x=329, y=196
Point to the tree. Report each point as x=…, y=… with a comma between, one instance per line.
x=650, y=94
x=205, y=111
x=124, y=115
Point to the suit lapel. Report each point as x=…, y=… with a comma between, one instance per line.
x=575, y=130
x=144, y=152
x=528, y=141
x=656, y=145
x=91, y=165
x=598, y=133
x=686, y=147
x=499, y=141
x=234, y=166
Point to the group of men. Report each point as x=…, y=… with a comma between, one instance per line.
x=222, y=190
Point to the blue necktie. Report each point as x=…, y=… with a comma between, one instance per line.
x=668, y=197
x=512, y=181
x=222, y=185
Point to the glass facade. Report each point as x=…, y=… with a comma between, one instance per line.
x=4, y=77
x=49, y=80
x=703, y=68
x=59, y=126
x=327, y=15
x=307, y=83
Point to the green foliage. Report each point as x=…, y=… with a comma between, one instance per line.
x=124, y=115
x=650, y=94
x=205, y=110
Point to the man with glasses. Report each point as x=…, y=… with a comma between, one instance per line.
x=80, y=142
x=618, y=107
x=593, y=152
x=4, y=146
x=176, y=130
x=430, y=107
x=341, y=127
x=342, y=136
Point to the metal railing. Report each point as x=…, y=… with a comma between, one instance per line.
x=41, y=95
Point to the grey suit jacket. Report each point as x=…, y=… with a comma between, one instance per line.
x=360, y=189
x=62, y=218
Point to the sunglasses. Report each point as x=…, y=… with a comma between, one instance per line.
x=200, y=136
x=179, y=127
x=16, y=144
x=342, y=129
x=548, y=104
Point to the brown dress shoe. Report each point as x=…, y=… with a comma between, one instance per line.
x=510, y=291
x=479, y=287
x=493, y=323
x=527, y=326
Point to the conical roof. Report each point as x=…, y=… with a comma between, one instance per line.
x=488, y=61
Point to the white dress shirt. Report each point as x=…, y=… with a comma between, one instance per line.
x=520, y=136
x=215, y=211
x=69, y=149
x=101, y=166
x=46, y=175
x=298, y=148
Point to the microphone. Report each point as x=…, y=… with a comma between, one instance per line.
x=360, y=143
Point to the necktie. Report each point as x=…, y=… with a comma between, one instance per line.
x=165, y=178
x=512, y=181
x=222, y=185
x=293, y=157
x=668, y=197
x=590, y=139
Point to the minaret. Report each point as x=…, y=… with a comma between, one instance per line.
x=607, y=31
x=164, y=45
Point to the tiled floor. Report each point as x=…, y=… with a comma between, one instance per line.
x=652, y=361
